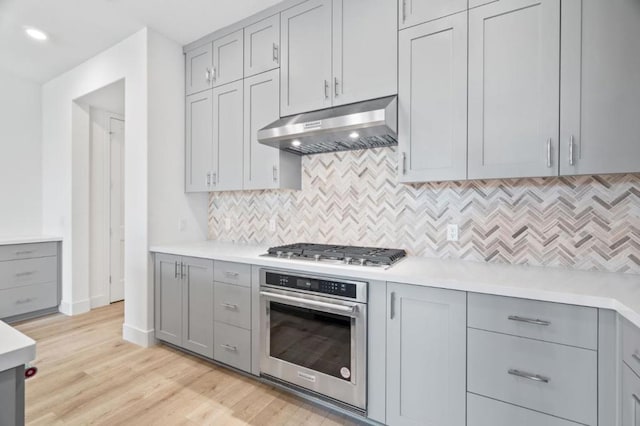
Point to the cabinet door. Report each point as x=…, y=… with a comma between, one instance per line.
x=630, y=397
x=197, y=306
x=227, y=136
x=198, y=66
x=168, y=298
x=365, y=52
x=426, y=356
x=261, y=163
x=199, y=134
x=306, y=57
x=228, y=58
x=514, y=64
x=600, y=98
x=412, y=12
x=432, y=104
x=262, y=46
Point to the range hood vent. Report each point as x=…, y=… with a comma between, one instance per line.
x=369, y=124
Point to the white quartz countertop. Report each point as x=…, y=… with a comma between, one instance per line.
x=15, y=348
x=7, y=240
x=617, y=291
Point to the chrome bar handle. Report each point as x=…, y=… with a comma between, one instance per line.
x=25, y=274
x=529, y=376
x=231, y=274
x=214, y=75
x=404, y=11
x=308, y=302
x=392, y=305
x=571, y=162
x=175, y=270
x=182, y=268
x=549, y=152
x=214, y=178
x=336, y=83
x=275, y=173
x=24, y=252
x=230, y=306
x=207, y=75
x=326, y=89
x=230, y=347
x=404, y=163
x=529, y=320
x=275, y=53
x=209, y=179
x=23, y=301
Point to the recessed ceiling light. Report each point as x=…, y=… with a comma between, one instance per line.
x=36, y=34
x=354, y=135
x=296, y=142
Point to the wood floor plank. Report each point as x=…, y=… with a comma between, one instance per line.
x=89, y=375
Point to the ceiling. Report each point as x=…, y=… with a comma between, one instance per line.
x=80, y=29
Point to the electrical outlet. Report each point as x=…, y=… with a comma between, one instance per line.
x=227, y=224
x=182, y=224
x=272, y=224
x=452, y=232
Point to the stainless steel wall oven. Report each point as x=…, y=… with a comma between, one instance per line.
x=314, y=334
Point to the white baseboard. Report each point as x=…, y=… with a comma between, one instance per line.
x=99, y=301
x=144, y=338
x=75, y=308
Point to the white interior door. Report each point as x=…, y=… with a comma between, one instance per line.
x=116, y=210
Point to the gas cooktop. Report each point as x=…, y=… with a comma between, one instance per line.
x=348, y=255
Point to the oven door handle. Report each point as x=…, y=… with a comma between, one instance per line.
x=352, y=309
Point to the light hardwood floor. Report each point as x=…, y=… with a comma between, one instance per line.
x=88, y=375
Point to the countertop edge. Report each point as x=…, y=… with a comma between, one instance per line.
x=6, y=241
x=21, y=350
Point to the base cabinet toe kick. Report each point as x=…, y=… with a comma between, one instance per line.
x=435, y=357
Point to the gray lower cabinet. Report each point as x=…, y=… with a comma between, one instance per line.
x=600, y=82
x=514, y=73
x=265, y=167
x=29, y=280
x=630, y=397
x=199, y=154
x=184, y=302
x=426, y=356
x=432, y=101
x=12, y=397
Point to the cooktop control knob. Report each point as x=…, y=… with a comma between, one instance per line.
x=363, y=261
x=347, y=260
x=317, y=257
x=279, y=253
x=289, y=255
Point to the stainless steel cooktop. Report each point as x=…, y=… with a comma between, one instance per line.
x=347, y=255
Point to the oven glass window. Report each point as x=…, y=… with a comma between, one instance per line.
x=316, y=340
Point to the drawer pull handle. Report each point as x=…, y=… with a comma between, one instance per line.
x=524, y=375
x=230, y=306
x=230, y=348
x=22, y=253
x=636, y=356
x=636, y=398
x=232, y=274
x=25, y=274
x=23, y=301
x=529, y=320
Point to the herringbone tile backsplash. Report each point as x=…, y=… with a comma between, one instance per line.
x=583, y=222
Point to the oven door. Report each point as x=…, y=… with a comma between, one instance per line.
x=315, y=342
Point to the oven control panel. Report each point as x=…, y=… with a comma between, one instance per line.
x=314, y=285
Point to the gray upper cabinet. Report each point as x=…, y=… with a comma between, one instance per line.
x=197, y=310
x=306, y=57
x=600, y=98
x=265, y=167
x=432, y=101
x=426, y=356
x=199, y=64
x=262, y=46
x=228, y=58
x=514, y=67
x=413, y=12
x=199, y=137
x=364, y=50
x=168, y=298
x=228, y=137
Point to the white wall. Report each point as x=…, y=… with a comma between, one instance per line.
x=20, y=162
x=152, y=67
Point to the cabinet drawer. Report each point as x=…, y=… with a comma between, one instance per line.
x=21, y=300
x=232, y=273
x=551, y=322
x=631, y=346
x=496, y=360
x=489, y=412
x=17, y=273
x=232, y=346
x=630, y=397
x=232, y=304
x=26, y=251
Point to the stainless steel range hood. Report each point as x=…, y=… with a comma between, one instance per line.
x=368, y=124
